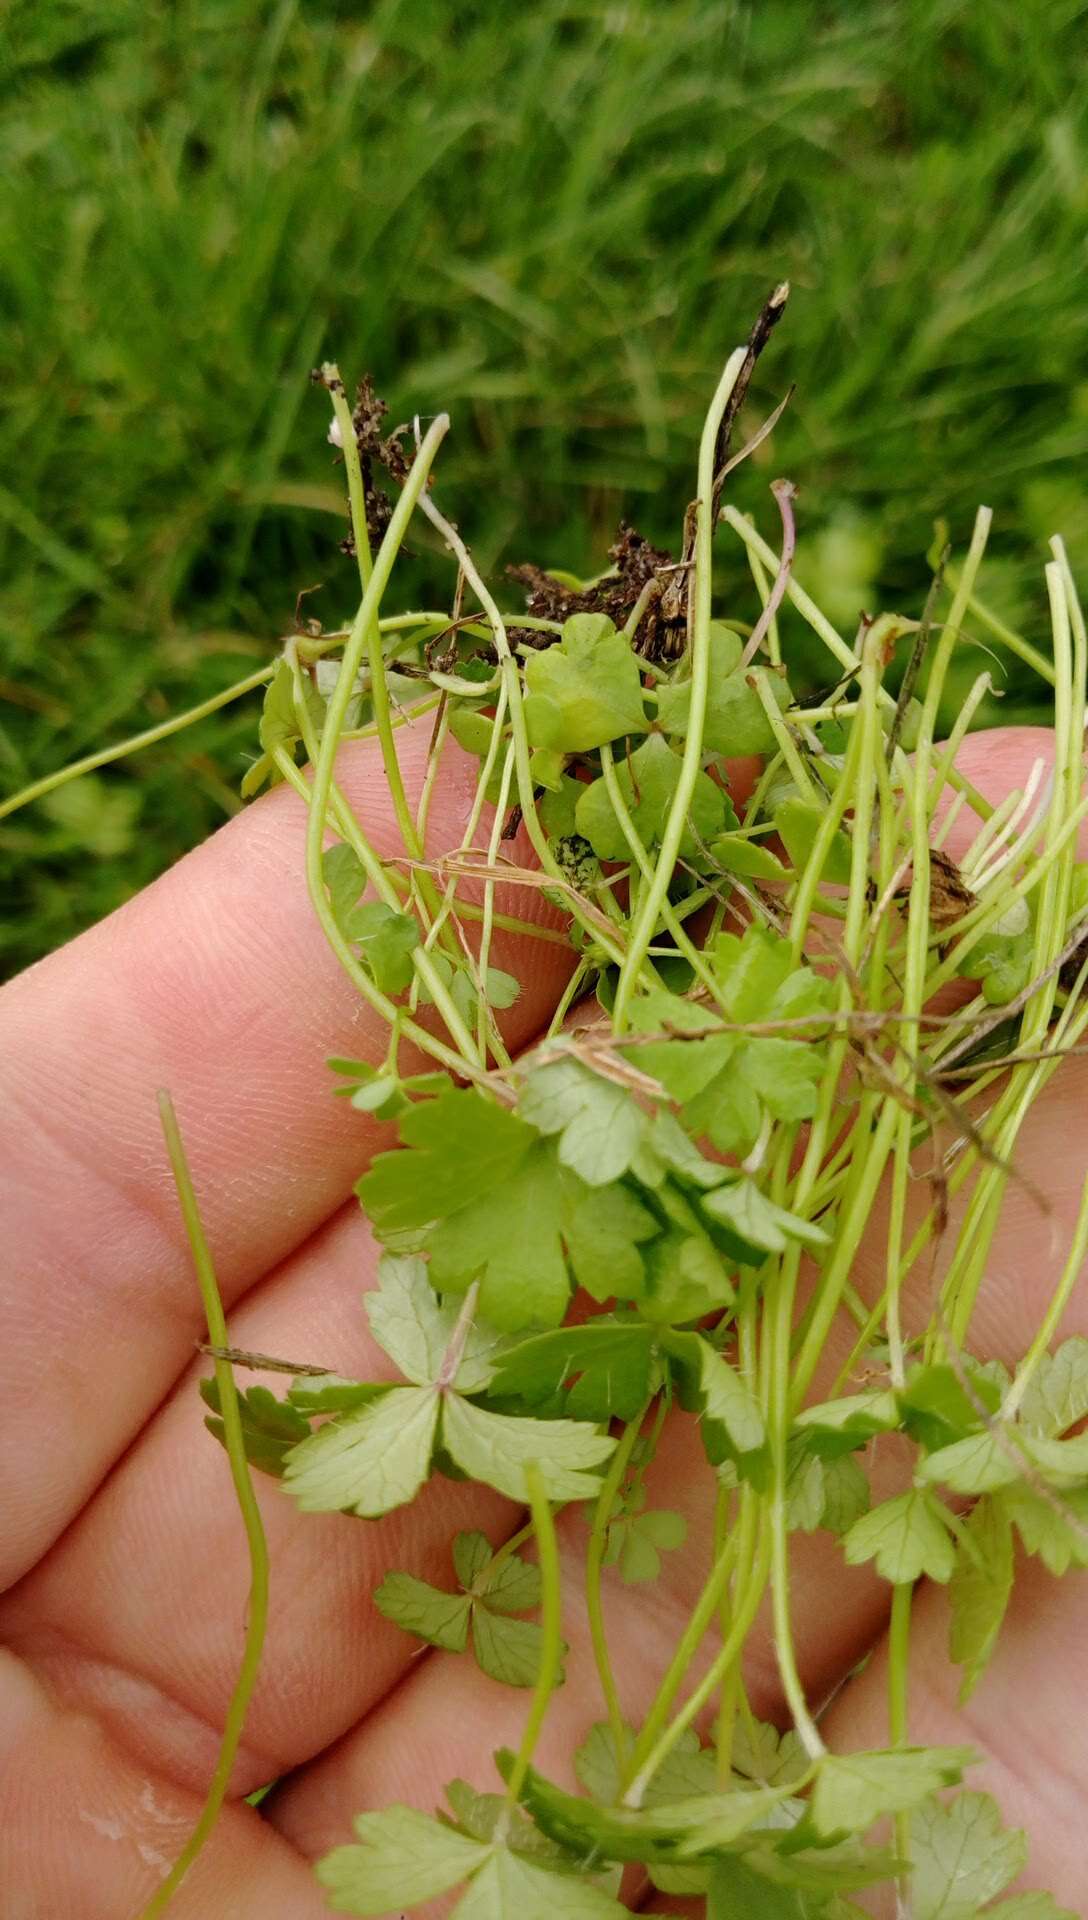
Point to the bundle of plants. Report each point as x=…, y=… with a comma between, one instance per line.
x=704, y=1271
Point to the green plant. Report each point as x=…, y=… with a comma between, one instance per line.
x=697, y=1150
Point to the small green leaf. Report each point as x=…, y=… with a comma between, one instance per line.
x=961, y=1857
x=846, y=1493
x=585, y=691
x=668, y=1142
x=599, y=1126
x=508, y=1240
x=1030, y=1906
x=735, y=720
x=1057, y=1394
x=732, y=1419
x=270, y=1427
x=507, y=1650
x=804, y=1491
x=601, y=1370
x=345, y=878
x=1057, y=1533
x=756, y=1224
x=479, y=1814
x=637, y=1541
x=279, y=726
x=737, y=853
x=797, y=823
x=470, y=728
x=722, y=1821
x=762, y=1753
x=979, y=1464
x=840, y=1426
x=940, y=1406
x=439, y=1618
x=386, y=941
x=330, y=1393
x=684, y=1067
x=649, y=1834
x=556, y=808
x=406, y=1319
x=496, y=1449
x=502, y=989
x=979, y=1591
x=460, y=1147
x=853, y=1790
x=603, y=1229
x=510, y=1586
x=686, y=1275
x=368, y=1461
x=906, y=1537
x=472, y=1552
x=512, y=1885
x=379, y=1093
x=404, y=1858
x=738, y=1892
x=648, y=783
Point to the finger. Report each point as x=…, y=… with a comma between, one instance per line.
x=87, y=1834
x=216, y=983
x=1033, y=1748
x=137, y=1614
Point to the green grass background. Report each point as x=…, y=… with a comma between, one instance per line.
x=554, y=220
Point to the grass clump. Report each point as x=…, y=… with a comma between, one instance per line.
x=199, y=203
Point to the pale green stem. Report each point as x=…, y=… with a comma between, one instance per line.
x=642, y=929
x=595, y=1552
x=783, y=737
x=251, y=1519
x=487, y=1029
x=512, y=685
x=1006, y=634
x=350, y=830
x=898, y=1685
x=334, y=720
x=551, y=1630
x=763, y=588
x=1051, y=1320
x=796, y=594
x=684, y=944
x=379, y=691
x=148, y=738
x=665, y=1739
x=702, y=1615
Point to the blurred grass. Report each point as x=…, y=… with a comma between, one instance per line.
x=553, y=220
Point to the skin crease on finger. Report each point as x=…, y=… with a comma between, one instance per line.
x=96, y=1604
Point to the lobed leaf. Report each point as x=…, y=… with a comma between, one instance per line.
x=370, y=1460
x=961, y=1857
x=585, y=691
x=648, y=782
x=403, y=1858
x=906, y=1537
x=496, y=1449
x=853, y=1790
x=979, y=1591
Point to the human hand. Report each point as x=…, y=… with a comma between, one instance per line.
x=122, y=1556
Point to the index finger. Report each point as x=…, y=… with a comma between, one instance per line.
x=216, y=983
